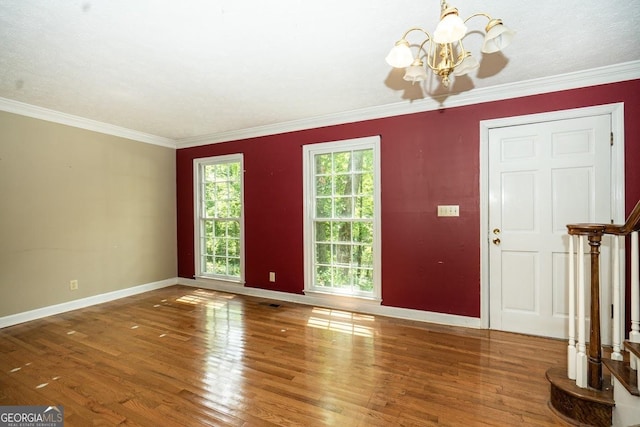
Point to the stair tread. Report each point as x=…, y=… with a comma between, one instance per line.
x=579, y=406
x=632, y=347
x=622, y=371
x=558, y=377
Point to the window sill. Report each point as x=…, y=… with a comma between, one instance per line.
x=359, y=299
x=221, y=279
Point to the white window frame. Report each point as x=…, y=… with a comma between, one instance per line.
x=308, y=153
x=198, y=165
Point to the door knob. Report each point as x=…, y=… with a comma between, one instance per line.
x=496, y=241
x=496, y=231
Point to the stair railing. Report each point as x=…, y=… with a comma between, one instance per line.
x=585, y=365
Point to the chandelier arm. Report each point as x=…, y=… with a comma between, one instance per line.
x=478, y=14
x=421, y=48
x=410, y=30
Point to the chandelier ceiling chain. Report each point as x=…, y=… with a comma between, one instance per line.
x=444, y=52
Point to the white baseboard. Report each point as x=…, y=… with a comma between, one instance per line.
x=39, y=313
x=349, y=304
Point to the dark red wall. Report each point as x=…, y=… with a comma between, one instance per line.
x=427, y=159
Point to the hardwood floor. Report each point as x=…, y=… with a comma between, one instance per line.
x=190, y=357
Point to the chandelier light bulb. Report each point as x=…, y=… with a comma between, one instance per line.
x=416, y=72
x=450, y=28
x=468, y=64
x=498, y=36
x=400, y=55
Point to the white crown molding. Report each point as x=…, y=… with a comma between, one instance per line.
x=51, y=310
x=596, y=76
x=349, y=304
x=16, y=107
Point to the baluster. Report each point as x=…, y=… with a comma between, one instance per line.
x=571, y=351
x=634, y=335
x=617, y=336
x=581, y=359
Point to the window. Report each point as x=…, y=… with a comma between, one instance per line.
x=219, y=217
x=342, y=218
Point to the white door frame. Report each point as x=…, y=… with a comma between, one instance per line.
x=617, y=177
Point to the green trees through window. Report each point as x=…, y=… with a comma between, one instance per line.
x=220, y=217
x=342, y=218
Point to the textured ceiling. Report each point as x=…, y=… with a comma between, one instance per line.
x=201, y=67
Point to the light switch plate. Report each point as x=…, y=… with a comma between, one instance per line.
x=448, y=210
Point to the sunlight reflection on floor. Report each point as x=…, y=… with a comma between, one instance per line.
x=341, y=321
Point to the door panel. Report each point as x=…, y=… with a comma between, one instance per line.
x=519, y=282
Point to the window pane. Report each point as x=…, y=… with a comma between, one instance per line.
x=220, y=228
x=323, y=231
x=208, y=173
x=342, y=162
x=341, y=277
x=233, y=247
x=357, y=159
x=343, y=207
x=323, y=163
x=222, y=209
x=364, y=160
x=209, y=191
x=233, y=229
x=234, y=190
x=341, y=232
x=343, y=185
x=221, y=191
x=323, y=253
x=210, y=209
x=234, y=267
x=363, y=232
x=208, y=264
x=221, y=266
x=363, y=207
x=235, y=209
x=234, y=170
x=363, y=279
x=342, y=254
x=222, y=171
x=323, y=207
x=363, y=256
x=324, y=185
x=363, y=183
x=323, y=276
x=219, y=247
x=208, y=228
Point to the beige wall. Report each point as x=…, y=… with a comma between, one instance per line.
x=77, y=204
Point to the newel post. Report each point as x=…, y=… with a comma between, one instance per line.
x=595, y=346
x=594, y=233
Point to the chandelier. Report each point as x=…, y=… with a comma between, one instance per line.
x=444, y=53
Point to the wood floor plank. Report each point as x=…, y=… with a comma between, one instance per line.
x=182, y=356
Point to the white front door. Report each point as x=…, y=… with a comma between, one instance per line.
x=542, y=176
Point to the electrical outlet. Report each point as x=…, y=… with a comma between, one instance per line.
x=448, y=210
x=73, y=285
x=272, y=276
